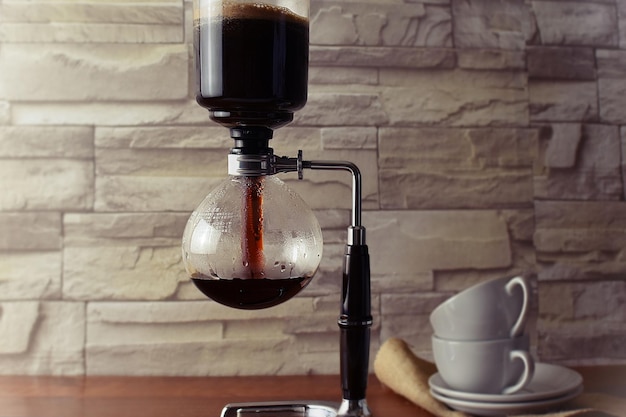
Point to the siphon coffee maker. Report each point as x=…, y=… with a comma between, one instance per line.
x=253, y=243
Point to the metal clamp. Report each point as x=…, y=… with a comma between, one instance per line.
x=254, y=165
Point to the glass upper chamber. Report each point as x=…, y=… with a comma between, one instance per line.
x=251, y=60
x=252, y=243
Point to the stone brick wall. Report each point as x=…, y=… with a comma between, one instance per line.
x=490, y=135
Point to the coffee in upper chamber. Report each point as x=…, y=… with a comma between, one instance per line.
x=252, y=64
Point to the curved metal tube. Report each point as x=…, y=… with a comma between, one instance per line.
x=356, y=183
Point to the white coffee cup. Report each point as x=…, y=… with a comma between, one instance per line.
x=493, y=309
x=501, y=366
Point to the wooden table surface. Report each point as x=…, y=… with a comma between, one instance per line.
x=23, y=396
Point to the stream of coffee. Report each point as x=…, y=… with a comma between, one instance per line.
x=252, y=227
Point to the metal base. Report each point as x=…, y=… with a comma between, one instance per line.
x=347, y=408
x=354, y=408
x=281, y=409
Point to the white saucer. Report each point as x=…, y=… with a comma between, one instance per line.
x=481, y=408
x=549, y=381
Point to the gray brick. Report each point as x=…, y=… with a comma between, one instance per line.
x=454, y=98
x=44, y=141
x=114, y=72
x=561, y=63
x=576, y=23
x=30, y=231
x=55, y=335
x=30, y=274
x=46, y=184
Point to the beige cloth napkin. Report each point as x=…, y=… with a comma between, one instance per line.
x=399, y=369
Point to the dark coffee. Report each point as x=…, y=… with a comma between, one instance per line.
x=250, y=294
x=252, y=65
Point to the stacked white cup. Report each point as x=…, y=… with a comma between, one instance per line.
x=479, y=342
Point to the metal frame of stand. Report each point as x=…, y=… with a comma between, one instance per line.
x=355, y=319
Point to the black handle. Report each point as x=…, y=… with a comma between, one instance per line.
x=355, y=322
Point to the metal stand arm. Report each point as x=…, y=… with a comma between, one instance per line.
x=355, y=320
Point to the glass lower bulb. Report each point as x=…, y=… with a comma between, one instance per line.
x=252, y=243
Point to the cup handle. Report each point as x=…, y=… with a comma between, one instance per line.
x=518, y=327
x=527, y=375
